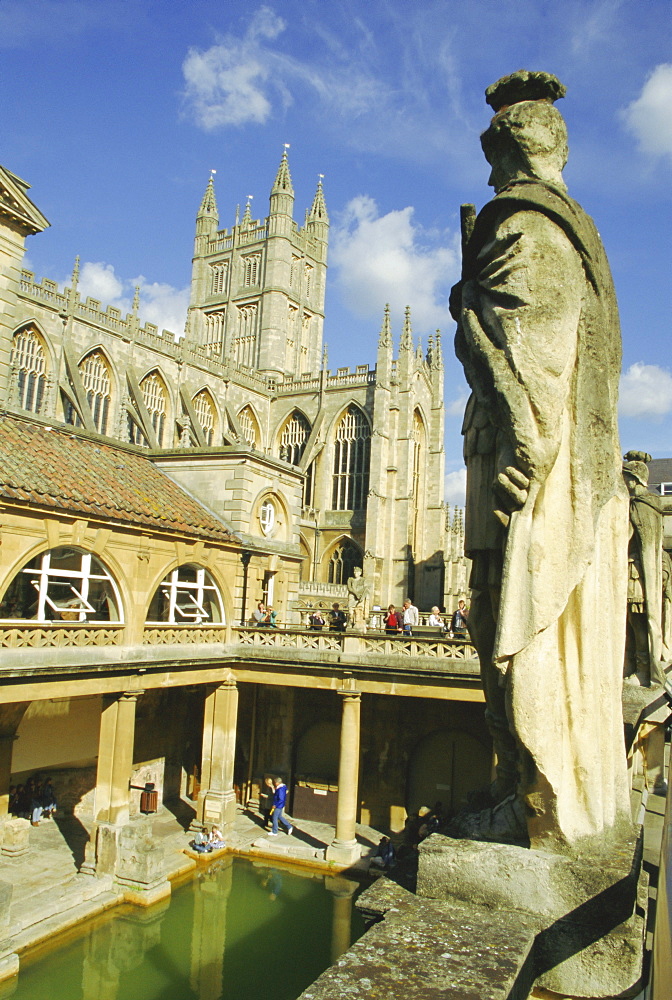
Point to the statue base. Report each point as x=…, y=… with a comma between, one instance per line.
x=590, y=930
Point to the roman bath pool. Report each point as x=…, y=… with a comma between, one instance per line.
x=237, y=930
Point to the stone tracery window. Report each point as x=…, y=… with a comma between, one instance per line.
x=95, y=372
x=205, y=411
x=219, y=273
x=28, y=362
x=245, y=344
x=64, y=584
x=155, y=397
x=352, y=450
x=188, y=595
x=343, y=560
x=294, y=438
x=249, y=426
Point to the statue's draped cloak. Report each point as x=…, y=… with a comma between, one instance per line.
x=539, y=339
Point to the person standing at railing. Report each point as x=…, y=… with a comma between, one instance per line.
x=394, y=621
x=458, y=623
x=436, y=620
x=411, y=616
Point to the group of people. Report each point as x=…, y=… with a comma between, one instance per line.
x=273, y=806
x=336, y=620
x=35, y=800
x=265, y=616
x=403, y=621
x=204, y=842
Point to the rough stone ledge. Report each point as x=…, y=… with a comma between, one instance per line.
x=432, y=950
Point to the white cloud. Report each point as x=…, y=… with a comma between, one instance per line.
x=160, y=303
x=649, y=117
x=646, y=391
x=388, y=258
x=455, y=485
x=227, y=84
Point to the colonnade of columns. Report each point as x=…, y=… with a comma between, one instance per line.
x=216, y=803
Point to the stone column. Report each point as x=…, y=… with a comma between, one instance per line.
x=217, y=799
x=6, y=747
x=112, y=795
x=344, y=849
x=115, y=758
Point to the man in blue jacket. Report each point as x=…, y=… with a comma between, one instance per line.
x=279, y=799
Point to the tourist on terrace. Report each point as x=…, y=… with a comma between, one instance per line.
x=259, y=614
x=49, y=803
x=394, y=621
x=216, y=840
x=384, y=856
x=458, y=623
x=411, y=616
x=337, y=619
x=317, y=621
x=436, y=619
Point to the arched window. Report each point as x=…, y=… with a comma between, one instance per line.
x=188, y=595
x=63, y=584
x=205, y=411
x=352, y=449
x=249, y=426
x=29, y=364
x=294, y=438
x=156, y=400
x=95, y=373
x=343, y=560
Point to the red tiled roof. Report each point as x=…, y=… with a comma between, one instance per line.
x=56, y=468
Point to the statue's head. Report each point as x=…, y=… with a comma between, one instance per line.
x=636, y=476
x=527, y=138
x=357, y=571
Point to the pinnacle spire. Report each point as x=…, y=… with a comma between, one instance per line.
x=247, y=217
x=385, y=338
x=406, y=343
x=437, y=355
x=209, y=203
x=283, y=179
x=318, y=211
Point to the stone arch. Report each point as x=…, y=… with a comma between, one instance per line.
x=251, y=425
x=208, y=414
x=291, y=436
x=340, y=559
x=64, y=583
x=188, y=592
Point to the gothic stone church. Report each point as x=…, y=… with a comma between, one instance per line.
x=315, y=471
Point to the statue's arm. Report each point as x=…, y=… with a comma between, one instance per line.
x=520, y=319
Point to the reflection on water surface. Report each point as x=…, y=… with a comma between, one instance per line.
x=238, y=930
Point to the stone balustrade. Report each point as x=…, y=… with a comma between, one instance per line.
x=61, y=634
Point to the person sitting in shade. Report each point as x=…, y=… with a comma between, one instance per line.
x=384, y=856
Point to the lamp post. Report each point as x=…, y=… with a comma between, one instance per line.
x=245, y=557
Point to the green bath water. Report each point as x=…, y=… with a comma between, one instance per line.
x=237, y=931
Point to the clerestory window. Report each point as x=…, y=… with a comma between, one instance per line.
x=28, y=363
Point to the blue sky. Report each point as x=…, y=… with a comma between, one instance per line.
x=115, y=112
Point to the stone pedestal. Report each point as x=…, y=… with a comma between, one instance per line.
x=15, y=834
x=344, y=849
x=590, y=936
x=140, y=865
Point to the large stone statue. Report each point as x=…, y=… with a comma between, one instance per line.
x=358, y=598
x=546, y=517
x=644, y=648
